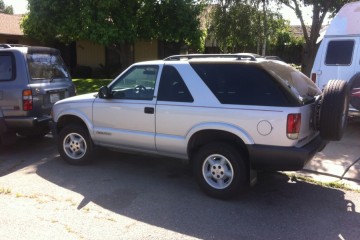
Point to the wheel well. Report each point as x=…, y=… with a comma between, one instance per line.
x=203, y=137
x=69, y=119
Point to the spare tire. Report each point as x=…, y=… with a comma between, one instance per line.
x=354, y=85
x=334, y=110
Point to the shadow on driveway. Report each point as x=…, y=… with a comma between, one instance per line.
x=163, y=193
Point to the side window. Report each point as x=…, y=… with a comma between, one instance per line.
x=172, y=87
x=137, y=83
x=7, y=67
x=244, y=84
x=339, y=52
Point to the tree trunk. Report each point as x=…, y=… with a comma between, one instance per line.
x=308, y=57
x=126, y=52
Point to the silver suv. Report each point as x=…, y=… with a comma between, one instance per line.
x=228, y=116
x=32, y=79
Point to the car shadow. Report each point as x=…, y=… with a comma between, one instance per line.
x=162, y=192
x=24, y=152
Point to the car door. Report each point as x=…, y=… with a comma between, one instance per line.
x=126, y=119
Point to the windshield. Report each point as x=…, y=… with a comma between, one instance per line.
x=46, y=66
x=298, y=84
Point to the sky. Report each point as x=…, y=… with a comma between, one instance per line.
x=20, y=7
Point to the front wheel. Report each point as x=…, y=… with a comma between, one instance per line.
x=220, y=170
x=75, y=145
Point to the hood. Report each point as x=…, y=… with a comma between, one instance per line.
x=89, y=97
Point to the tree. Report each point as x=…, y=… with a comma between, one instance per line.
x=114, y=23
x=6, y=9
x=319, y=10
x=242, y=25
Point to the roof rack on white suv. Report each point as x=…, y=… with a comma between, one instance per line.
x=237, y=56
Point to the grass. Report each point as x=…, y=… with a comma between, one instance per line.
x=335, y=184
x=89, y=85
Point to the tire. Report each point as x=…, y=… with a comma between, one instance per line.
x=75, y=145
x=220, y=170
x=354, y=85
x=334, y=110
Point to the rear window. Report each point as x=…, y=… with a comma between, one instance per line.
x=7, y=67
x=294, y=81
x=339, y=52
x=46, y=66
x=245, y=84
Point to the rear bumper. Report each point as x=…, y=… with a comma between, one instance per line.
x=27, y=122
x=264, y=157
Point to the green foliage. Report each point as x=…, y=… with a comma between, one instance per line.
x=239, y=26
x=89, y=85
x=114, y=22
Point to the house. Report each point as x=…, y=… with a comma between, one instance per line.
x=84, y=53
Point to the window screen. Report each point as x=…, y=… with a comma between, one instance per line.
x=339, y=52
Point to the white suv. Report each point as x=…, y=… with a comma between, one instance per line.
x=228, y=116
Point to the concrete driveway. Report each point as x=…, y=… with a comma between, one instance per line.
x=124, y=196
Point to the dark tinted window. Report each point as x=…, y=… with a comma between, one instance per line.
x=7, y=67
x=339, y=52
x=245, y=84
x=172, y=87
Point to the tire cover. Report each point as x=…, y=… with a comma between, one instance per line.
x=355, y=91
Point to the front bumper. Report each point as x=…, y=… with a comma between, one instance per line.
x=264, y=157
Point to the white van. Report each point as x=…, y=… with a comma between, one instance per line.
x=338, y=56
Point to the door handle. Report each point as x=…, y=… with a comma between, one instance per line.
x=149, y=110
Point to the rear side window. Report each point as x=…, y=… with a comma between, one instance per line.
x=243, y=84
x=172, y=87
x=339, y=52
x=7, y=67
x=46, y=66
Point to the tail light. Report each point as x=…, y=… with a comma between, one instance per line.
x=27, y=100
x=313, y=77
x=293, y=125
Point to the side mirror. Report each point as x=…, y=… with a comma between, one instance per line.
x=104, y=92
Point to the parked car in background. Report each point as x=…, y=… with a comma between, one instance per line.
x=229, y=115
x=32, y=79
x=338, y=56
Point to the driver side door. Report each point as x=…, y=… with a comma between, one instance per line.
x=126, y=119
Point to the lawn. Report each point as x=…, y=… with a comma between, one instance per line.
x=89, y=85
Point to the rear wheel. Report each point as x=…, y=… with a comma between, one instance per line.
x=220, y=170
x=334, y=110
x=75, y=145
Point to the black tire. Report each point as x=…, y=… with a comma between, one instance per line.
x=75, y=145
x=354, y=85
x=210, y=165
x=334, y=110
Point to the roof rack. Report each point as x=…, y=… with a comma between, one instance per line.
x=237, y=56
x=7, y=45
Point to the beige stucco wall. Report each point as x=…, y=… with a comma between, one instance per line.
x=145, y=50
x=20, y=39
x=90, y=54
